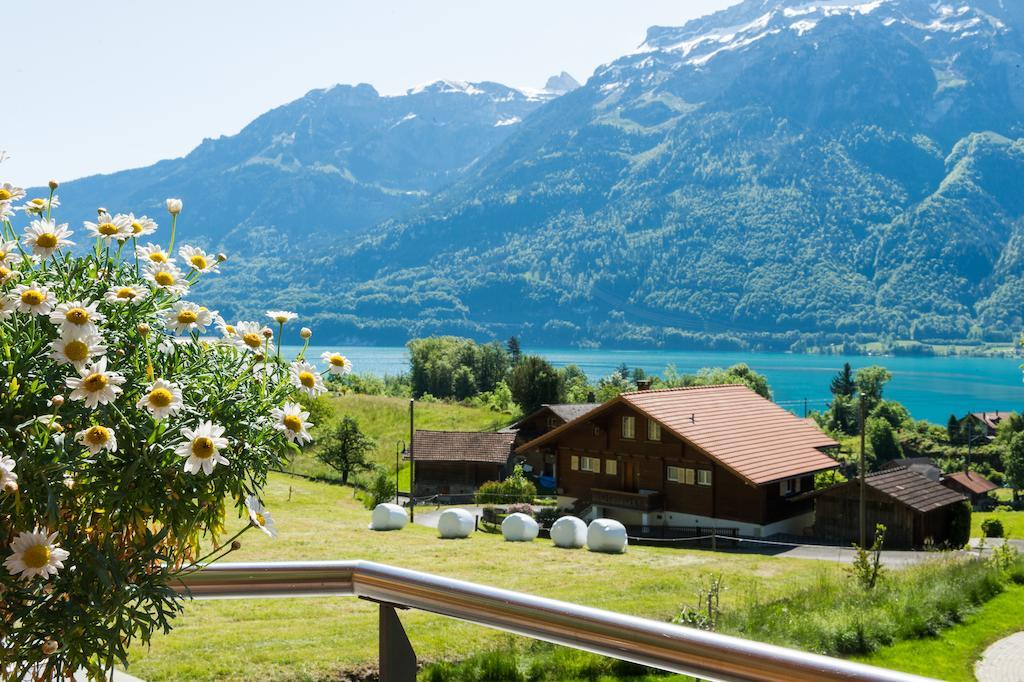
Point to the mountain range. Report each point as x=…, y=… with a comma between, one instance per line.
x=779, y=174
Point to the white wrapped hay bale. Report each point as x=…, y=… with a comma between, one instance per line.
x=606, y=535
x=569, y=532
x=388, y=516
x=519, y=527
x=455, y=524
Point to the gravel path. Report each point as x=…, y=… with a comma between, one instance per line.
x=1003, y=661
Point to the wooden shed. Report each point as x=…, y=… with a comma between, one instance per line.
x=912, y=507
x=458, y=462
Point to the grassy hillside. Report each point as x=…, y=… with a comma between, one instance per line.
x=315, y=638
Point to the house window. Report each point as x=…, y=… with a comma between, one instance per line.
x=653, y=430
x=611, y=467
x=675, y=474
x=790, y=486
x=629, y=428
x=552, y=422
x=703, y=477
x=591, y=464
x=574, y=463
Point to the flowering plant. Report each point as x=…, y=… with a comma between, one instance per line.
x=126, y=433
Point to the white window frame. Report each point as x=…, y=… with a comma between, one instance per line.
x=790, y=486
x=590, y=464
x=611, y=467
x=674, y=474
x=704, y=477
x=574, y=463
x=631, y=422
x=653, y=431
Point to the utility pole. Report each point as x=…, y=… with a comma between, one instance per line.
x=863, y=471
x=805, y=408
x=970, y=441
x=399, y=448
x=412, y=460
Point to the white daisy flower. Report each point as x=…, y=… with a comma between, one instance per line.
x=167, y=277
x=40, y=206
x=305, y=378
x=33, y=299
x=260, y=517
x=35, y=554
x=290, y=419
x=129, y=293
x=151, y=253
x=142, y=226
x=6, y=210
x=336, y=363
x=8, y=304
x=76, y=318
x=202, y=447
x=174, y=206
x=77, y=350
x=162, y=399
x=97, y=438
x=44, y=237
x=186, y=317
x=95, y=385
x=251, y=334
x=108, y=227
x=9, y=192
x=281, y=316
x=7, y=475
x=198, y=260
x=8, y=251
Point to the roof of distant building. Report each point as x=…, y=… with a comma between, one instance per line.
x=972, y=481
x=462, y=446
x=912, y=489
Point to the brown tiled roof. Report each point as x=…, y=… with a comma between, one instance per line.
x=991, y=419
x=462, y=446
x=912, y=489
x=753, y=436
x=973, y=481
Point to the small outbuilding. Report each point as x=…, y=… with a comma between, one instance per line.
x=913, y=508
x=969, y=483
x=458, y=462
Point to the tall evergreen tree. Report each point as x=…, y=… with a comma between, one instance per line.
x=953, y=429
x=515, y=353
x=843, y=383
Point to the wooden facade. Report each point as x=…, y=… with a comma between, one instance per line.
x=454, y=478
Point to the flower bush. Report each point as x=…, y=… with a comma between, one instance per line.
x=131, y=421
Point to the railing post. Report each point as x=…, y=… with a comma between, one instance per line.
x=397, y=657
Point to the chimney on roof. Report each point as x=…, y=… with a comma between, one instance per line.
x=643, y=384
x=591, y=397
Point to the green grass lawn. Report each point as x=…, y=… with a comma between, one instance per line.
x=1013, y=523
x=952, y=655
x=315, y=638
x=386, y=421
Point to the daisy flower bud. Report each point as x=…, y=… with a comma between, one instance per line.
x=236, y=545
x=101, y=211
x=305, y=332
x=174, y=206
x=267, y=332
x=221, y=257
x=49, y=647
x=143, y=329
x=57, y=400
x=54, y=184
x=11, y=487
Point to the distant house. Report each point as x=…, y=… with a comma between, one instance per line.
x=983, y=423
x=548, y=418
x=912, y=507
x=969, y=483
x=456, y=462
x=926, y=466
x=690, y=457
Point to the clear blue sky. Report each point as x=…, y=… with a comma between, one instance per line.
x=104, y=85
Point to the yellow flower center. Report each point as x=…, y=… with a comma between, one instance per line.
x=5, y=194
x=160, y=397
x=136, y=227
x=281, y=319
x=95, y=382
x=32, y=297
x=202, y=447
x=126, y=292
x=107, y=229
x=261, y=520
x=38, y=202
x=338, y=360
x=252, y=339
x=36, y=556
x=77, y=315
x=76, y=351
x=46, y=240
x=187, y=317
x=3, y=255
x=307, y=379
x=198, y=262
x=97, y=435
x=164, y=278
x=292, y=423
x=229, y=328
x=157, y=257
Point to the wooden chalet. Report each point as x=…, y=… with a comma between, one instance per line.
x=704, y=456
x=970, y=483
x=537, y=464
x=983, y=424
x=458, y=462
x=913, y=508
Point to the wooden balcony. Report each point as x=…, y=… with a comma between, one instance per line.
x=643, y=501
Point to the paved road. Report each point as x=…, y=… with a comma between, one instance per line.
x=1003, y=661
x=430, y=515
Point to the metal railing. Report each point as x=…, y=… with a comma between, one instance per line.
x=705, y=655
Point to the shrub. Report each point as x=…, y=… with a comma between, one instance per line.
x=548, y=515
x=381, y=488
x=992, y=528
x=515, y=488
x=1003, y=508
x=125, y=437
x=960, y=525
x=520, y=508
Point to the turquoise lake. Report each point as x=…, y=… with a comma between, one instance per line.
x=931, y=387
